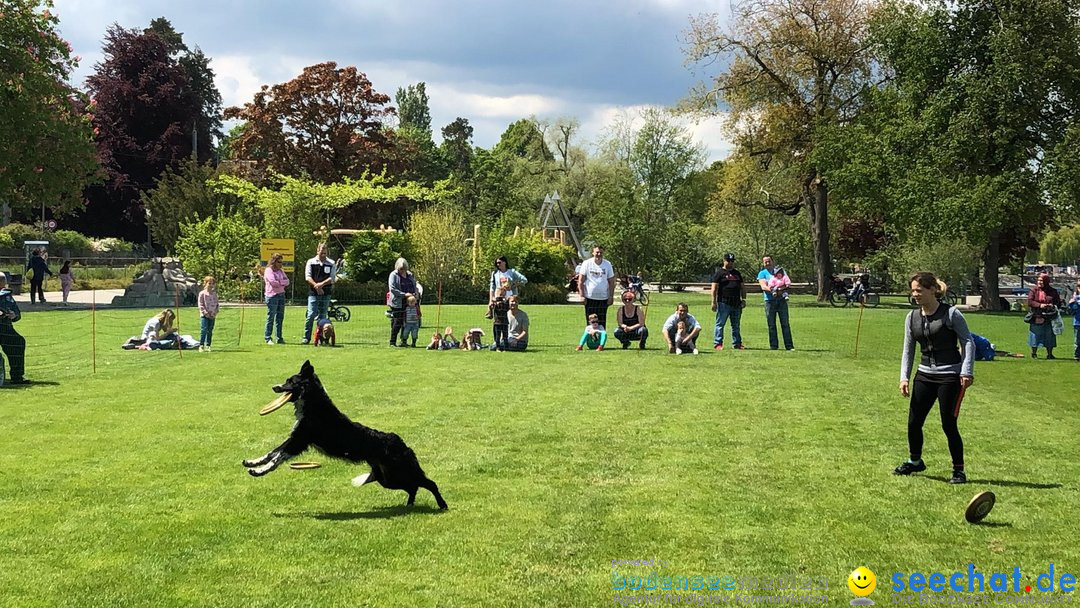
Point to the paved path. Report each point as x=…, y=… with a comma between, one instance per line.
x=76, y=299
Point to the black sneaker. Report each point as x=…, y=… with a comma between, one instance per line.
x=958, y=477
x=907, y=468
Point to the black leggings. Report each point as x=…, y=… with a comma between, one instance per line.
x=923, y=395
x=397, y=322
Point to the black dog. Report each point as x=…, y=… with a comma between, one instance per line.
x=320, y=424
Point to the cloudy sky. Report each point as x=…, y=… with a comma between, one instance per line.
x=491, y=61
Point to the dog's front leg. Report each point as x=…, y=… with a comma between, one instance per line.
x=276, y=458
x=254, y=462
x=293, y=446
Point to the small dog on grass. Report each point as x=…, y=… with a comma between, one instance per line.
x=320, y=424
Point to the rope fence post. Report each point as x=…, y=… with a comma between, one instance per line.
x=240, y=333
x=179, y=344
x=858, y=328
x=93, y=330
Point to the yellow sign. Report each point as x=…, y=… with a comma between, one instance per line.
x=286, y=247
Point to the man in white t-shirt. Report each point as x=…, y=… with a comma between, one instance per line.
x=596, y=285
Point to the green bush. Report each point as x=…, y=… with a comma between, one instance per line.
x=371, y=255
x=542, y=262
x=223, y=246
x=543, y=294
x=7, y=243
x=21, y=232
x=240, y=290
x=73, y=242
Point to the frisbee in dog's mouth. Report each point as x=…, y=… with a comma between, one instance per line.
x=275, y=404
x=304, y=465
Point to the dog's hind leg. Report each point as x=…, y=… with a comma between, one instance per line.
x=434, y=489
x=366, y=478
x=412, y=496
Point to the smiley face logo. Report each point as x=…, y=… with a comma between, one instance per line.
x=862, y=581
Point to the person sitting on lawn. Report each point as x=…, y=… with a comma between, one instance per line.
x=678, y=345
x=159, y=332
x=594, y=336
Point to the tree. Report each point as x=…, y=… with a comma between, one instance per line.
x=970, y=138
x=457, y=149
x=413, y=109
x=182, y=195
x=201, y=81
x=1061, y=246
x=795, y=67
x=416, y=154
x=437, y=239
x=46, y=154
x=643, y=199
x=222, y=245
x=326, y=124
x=145, y=109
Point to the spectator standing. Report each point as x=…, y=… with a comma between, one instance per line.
x=505, y=277
x=40, y=268
x=276, y=281
x=728, y=301
x=66, y=279
x=1044, y=301
x=208, y=310
x=774, y=306
x=1074, y=308
x=411, y=330
x=401, y=285
x=500, y=309
x=320, y=272
x=596, y=285
x=13, y=344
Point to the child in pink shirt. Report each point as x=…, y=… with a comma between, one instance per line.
x=208, y=309
x=779, y=284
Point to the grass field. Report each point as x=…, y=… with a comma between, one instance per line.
x=124, y=487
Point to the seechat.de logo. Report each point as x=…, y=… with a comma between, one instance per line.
x=862, y=583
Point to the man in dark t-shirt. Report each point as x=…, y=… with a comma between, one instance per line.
x=728, y=300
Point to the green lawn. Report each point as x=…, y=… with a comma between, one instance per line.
x=124, y=487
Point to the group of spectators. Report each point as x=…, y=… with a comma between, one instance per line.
x=596, y=286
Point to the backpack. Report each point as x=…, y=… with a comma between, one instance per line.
x=984, y=351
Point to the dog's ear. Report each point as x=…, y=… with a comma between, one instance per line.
x=306, y=370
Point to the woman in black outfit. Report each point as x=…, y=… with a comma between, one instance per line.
x=944, y=373
x=631, y=322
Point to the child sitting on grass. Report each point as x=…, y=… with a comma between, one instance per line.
x=595, y=336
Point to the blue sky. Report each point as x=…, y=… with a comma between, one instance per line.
x=490, y=61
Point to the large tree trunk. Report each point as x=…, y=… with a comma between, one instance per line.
x=991, y=260
x=816, y=193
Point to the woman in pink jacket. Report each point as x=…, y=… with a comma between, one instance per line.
x=276, y=281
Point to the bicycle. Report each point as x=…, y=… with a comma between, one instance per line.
x=338, y=313
x=634, y=283
x=840, y=297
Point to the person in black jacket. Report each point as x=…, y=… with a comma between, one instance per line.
x=40, y=268
x=13, y=345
